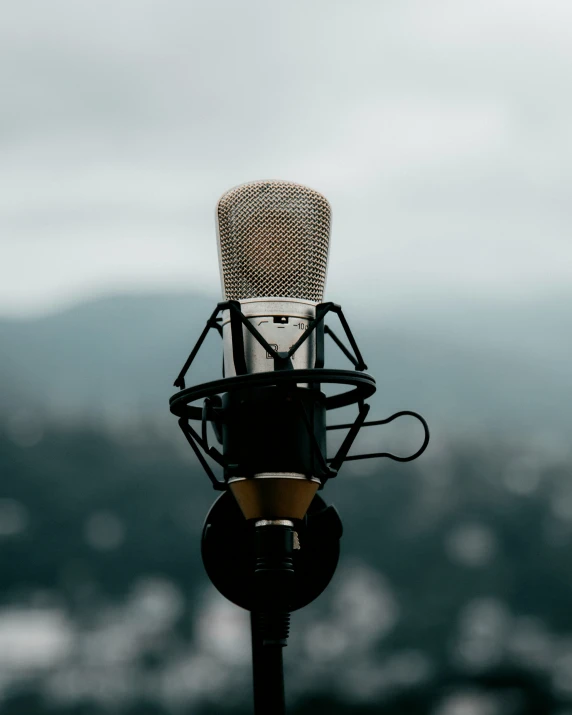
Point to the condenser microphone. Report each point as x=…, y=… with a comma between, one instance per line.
x=270, y=544
x=268, y=412
x=273, y=240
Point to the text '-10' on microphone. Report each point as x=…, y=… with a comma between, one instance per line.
x=268, y=412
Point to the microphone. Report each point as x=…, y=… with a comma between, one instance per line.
x=270, y=543
x=273, y=240
x=268, y=412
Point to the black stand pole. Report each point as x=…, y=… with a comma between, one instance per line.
x=267, y=673
x=270, y=620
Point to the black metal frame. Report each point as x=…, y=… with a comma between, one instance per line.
x=283, y=374
x=237, y=319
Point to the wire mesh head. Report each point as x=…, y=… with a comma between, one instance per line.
x=274, y=238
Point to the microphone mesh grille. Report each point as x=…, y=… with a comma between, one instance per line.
x=274, y=238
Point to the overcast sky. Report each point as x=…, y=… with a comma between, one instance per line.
x=441, y=133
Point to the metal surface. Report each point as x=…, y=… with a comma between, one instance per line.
x=281, y=323
x=389, y=455
x=267, y=673
x=278, y=497
x=273, y=241
x=363, y=384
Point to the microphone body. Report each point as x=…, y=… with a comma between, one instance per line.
x=273, y=239
x=281, y=322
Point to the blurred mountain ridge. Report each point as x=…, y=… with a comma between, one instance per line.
x=463, y=364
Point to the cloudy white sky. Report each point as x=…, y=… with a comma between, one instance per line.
x=441, y=132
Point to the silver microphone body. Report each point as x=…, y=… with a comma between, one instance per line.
x=273, y=239
x=281, y=323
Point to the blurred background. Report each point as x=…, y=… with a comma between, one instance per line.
x=441, y=133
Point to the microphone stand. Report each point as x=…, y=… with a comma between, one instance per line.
x=267, y=673
x=270, y=619
x=255, y=565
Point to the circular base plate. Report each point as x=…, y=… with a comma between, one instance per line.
x=227, y=549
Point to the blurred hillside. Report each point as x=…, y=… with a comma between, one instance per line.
x=483, y=365
x=453, y=588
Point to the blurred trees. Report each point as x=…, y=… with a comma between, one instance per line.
x=469, y=553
